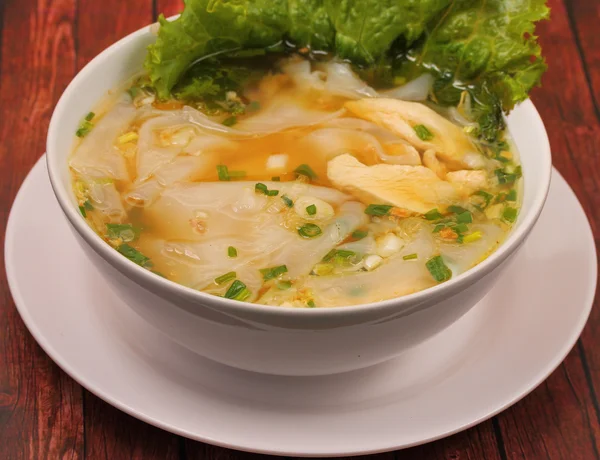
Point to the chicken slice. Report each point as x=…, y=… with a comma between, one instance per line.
x=449, y=141
x=470, y=181
x=415, y=188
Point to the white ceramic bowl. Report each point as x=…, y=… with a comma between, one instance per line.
x=281, y=340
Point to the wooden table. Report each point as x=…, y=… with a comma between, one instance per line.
x=45, y=414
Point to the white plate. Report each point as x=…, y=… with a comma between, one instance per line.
x=500, y=351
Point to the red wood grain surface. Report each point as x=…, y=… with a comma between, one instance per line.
x=44, y=414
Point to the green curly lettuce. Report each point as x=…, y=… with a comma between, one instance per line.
x=485, y=47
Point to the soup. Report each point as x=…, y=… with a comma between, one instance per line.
x=305, y=187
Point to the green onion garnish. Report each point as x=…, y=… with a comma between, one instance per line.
x=283, y=285
x=378, y=209
x=237, y=291
x=512, y=195
x=434, y=214
x=230, y=121
x=410, y=257
x=359, y=234
x=423, y=133
x=309, y=231
x=237, y=174
x=506, y=177
x=134, y=255
x=276, y=179
x=288, y=202
x=223, y=172
x=87, y=204
x=260, y=188
x=438, y=228
x=311, y=210
x=464, y=217
x=82, y=211
x=456, y=209
x=330, y=255
x=272, y=192
x=486, y=196
x=225, y=278
x=438, y=269
x=126, y=232
x=461, y=228
x=231, y=251
x=509, y=214
x=273, y=272
x=311, y=303
x=86, y=125
x=305, y=170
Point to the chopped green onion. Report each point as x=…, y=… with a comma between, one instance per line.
x=461, y=228
x=311, y=303
x=512, y=195
x=128, y=137
x=272, y=192
x=378, y=209
x=237, y=291
x=438, y=269
x=472, y=237
x=223, y=173
x=423, y=133
x=464, y=217
x=486, y=196
x=410, y=257
x=506, y=177
x=260, y=188
x=309, y=231
x=82, y=211
x=126, y=232
x=359, y=234
x=88, y=205
x=509, y=214
x=276, y=179
x=344, y=253
x=273, y=272
x=311, y=210
x=134, y=255
x=288, y=202
x=237, y=174
x=438, y=228
x=283, y=285
x=305, y=170
x=434, y=214
x=225, y=278
x=456, y=209
x=86, y=125
x=230, y=121
x=231, y=251
x=330, y=255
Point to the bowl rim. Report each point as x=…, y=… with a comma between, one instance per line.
x=171, y=289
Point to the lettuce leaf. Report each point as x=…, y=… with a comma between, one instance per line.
x=207, y=27
x=366, y=29
x=485, y=47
